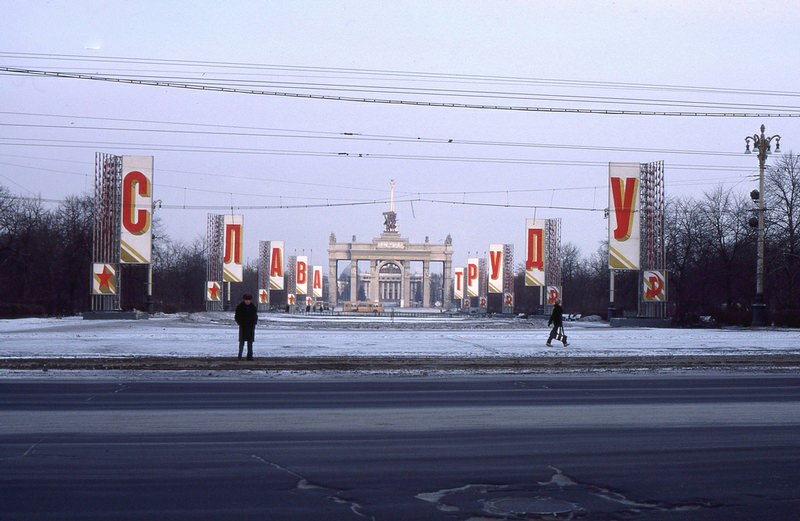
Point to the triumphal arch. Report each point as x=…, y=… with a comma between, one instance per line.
x=390, y=256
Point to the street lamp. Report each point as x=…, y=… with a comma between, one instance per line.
x=761, y=144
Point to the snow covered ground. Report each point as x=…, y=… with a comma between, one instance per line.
x=278, y=335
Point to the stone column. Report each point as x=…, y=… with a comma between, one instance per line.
x=405, y=283
x=374, y=282
x=333, y=284
x=447, y=281
x=353, y=280
x=426, y=284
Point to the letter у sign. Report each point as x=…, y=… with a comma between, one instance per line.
x=136, y=229
x=232, y=257
x=623, y=216
x=496, y=268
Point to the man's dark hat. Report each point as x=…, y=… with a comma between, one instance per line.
x=247, y=296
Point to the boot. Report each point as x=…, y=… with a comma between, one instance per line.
x=241, y=348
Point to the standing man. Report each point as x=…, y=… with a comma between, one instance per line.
x=247, y=318
x=556, y=320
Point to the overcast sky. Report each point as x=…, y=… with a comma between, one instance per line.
x=304, y=166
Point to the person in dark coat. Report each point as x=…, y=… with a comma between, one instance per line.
x=247, y=318
x=557, y=321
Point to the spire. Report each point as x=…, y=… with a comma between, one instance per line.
x=390, y=218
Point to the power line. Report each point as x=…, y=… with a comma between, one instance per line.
x=64, y=143
x=390, y=101
x=350, y=136
x=220, y=83
x=337, y=205
x=395, y=74
x=61, y=171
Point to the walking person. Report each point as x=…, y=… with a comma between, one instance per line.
x=247, y=318
x=557, y=321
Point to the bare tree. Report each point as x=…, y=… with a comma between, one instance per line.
x=725, y=237
x=683, y=244
x=73, y=242
x=783, y=207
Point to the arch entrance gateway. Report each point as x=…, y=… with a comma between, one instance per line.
x=389, y=257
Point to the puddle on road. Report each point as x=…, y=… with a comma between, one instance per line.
x=559, y=498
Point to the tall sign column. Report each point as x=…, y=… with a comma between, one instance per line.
x=105, y=286
x=214, y=251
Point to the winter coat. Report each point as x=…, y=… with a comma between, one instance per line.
x=247, y=318
x=556, y=318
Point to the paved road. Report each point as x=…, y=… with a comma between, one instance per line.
x=651, y=447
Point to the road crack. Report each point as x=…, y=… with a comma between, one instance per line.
x=306, y=485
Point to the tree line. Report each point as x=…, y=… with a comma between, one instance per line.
x=45, y=259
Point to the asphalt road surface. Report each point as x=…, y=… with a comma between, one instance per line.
x=599, y=447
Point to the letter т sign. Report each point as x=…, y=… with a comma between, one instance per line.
x=136, y=228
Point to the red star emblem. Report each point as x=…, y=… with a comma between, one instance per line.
x=105, y=278
x=213, y=292
x=262, y=295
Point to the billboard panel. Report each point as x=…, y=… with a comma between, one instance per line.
x=213, y=291
x=458, y=283
x=316, y=282
x=136, y=229
x=623, y=217
x=553, y=294
x=496, y=268
x=104, y=279
x=654, y=286
x=276, y=273
x=232, y=257
x=473, y=280
x=301, y=275
x=534, y=252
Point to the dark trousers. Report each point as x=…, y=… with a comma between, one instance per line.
x=246, y=334
x=249, y=349
x=553, y=332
